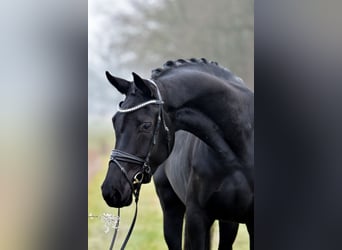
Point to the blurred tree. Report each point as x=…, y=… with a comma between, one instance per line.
x=157, y=31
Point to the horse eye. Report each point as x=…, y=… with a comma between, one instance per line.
x=145, y=126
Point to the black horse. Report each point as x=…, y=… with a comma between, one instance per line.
x=173, y=180
x=200, y=97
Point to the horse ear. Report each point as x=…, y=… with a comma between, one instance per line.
x=143, y=85
x=121, y=85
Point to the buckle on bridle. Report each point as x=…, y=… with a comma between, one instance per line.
x=138, y=178
x=143, y=176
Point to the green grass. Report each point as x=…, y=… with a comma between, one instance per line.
x=148, y=231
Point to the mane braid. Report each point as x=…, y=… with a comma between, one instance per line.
x=202, y=64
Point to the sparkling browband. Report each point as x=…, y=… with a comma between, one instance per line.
x=139, y=106
x=121, y=110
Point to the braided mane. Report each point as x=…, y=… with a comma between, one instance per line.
x=202, y=64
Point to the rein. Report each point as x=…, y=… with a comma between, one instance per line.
x=143, y=175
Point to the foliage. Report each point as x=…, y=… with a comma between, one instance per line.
x=218, y=30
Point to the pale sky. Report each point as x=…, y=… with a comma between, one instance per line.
x=101, y=94
x=100, y=13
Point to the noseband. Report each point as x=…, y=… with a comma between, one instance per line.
x=143, y=175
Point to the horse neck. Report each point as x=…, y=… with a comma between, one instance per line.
x=212, y=113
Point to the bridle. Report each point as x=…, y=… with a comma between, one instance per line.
x=143, y=175
x=117, y=156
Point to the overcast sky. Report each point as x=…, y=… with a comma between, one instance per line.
x=101, y=95
x=100, y=13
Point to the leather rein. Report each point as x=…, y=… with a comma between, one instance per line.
x=143, y=175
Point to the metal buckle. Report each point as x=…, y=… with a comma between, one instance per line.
x=138, y=178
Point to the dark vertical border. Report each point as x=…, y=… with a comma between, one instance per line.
x=298, y=128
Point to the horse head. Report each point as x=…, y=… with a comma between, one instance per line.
x=144, y=138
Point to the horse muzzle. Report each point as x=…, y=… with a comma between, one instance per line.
x=115, y=198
